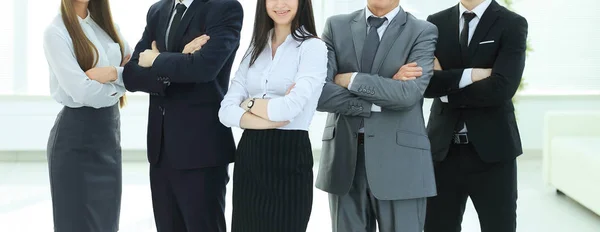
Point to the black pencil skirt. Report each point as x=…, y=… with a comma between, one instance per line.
x=272, y=181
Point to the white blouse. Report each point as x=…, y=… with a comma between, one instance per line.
x=302, y=63
x=69, y=85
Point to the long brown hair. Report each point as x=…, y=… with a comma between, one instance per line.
x=304, y=20
x=85, y=51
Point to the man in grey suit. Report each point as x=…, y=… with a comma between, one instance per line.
x=376, y=159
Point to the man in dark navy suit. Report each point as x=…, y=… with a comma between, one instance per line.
x=184, y=62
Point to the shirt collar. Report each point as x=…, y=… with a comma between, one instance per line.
x=288, y=38
x=87, y=19
x=479, y=10
x=187, y=3
x=389, y=16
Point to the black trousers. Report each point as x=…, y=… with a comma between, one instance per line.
x=189, y=200
x=491, y=186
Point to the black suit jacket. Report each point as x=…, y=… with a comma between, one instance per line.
x=486, y=106
x=186, y=89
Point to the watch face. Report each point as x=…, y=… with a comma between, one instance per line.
x=250, y=104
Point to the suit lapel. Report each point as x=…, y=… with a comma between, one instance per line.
x=454, y=27
x=390, y=36
x=163, y=23
x=185, y=22
x=359, y=35
x=483, y=27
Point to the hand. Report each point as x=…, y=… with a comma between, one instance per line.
x=196, y=44
x=290, y=89
x=147, y=57
x=408, y=72
x=103, y=75
x=125, y=60
x=436, y=65
x=478, y=74
x=343, y=79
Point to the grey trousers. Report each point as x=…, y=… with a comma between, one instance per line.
x=360, y=211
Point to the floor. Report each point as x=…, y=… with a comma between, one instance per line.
x=25, y=202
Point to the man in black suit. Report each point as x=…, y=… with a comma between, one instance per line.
x=474, y=136
x=188, y=148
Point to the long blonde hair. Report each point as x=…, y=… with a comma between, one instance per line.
x=85, y=51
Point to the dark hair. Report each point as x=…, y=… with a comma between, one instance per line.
x=304, y=20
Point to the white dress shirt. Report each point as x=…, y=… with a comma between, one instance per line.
x=479, y=10
x=69, y=85
x=187, y=4
x=304, y=64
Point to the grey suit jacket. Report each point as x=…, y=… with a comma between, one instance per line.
x=397, y=150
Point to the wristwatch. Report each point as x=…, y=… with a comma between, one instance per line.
x=250, y=104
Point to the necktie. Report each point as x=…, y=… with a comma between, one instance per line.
x=464, y=35
x=464, y=45
x=370, y=48
x=371, y=44
x=180, y=9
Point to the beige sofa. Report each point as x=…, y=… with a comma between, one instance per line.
x=572, y=156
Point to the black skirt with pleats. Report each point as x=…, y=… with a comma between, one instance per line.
x=272, y=181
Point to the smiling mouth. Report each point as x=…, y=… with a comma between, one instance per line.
x=282, y=12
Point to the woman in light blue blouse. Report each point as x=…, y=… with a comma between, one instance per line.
x=85, y=54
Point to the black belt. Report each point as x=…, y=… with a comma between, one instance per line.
x=460, y=138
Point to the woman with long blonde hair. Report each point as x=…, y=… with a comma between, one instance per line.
x=85, y=54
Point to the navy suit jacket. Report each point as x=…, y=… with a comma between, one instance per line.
x=186, y=89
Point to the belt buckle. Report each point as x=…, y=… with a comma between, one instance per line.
x=461, y=138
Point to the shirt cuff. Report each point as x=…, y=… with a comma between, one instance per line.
x=119, y=80
x=375, y=108
x=444, y=99
x=352, y=80
x=235, y=116
x=466, y=78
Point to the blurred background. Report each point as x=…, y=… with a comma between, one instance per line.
x=558, y=111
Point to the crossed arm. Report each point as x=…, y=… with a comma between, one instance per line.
x=401, y=92
x=151, y=71
x=490, y=87
x=278, y=111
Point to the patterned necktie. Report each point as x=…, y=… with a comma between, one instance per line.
x=371, y=44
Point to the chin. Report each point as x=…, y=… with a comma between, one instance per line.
x=283, y=18
x=283, y=22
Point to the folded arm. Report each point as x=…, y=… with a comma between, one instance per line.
x=71, y=78
x=506, y=76
x=400, y=95
x=231, y=114
x=137, y=78
x=309, y=80
x=223, y=26
x=334, y=98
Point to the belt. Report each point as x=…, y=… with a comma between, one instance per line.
x=460, y=138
